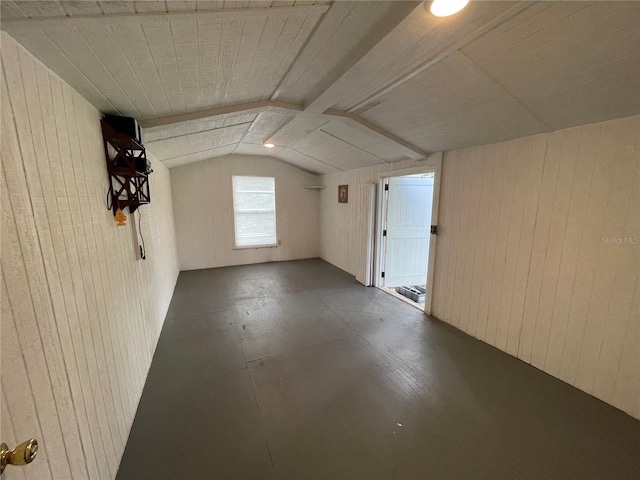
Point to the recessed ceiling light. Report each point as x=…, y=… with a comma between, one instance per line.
x=269, y=145
x=444, y=8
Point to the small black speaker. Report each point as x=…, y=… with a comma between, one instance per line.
x=125, y=125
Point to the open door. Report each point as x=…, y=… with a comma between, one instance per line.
x=408, y=230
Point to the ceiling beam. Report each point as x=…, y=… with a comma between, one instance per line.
x=335, y=15
x=294, y=110
x=498, y=88
x=362, y=124
x=98, y=20
x=250, y=107
x=443, y=53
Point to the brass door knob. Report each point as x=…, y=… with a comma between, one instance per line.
x=21, y=455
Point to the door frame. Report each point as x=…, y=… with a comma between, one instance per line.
x=433, y=164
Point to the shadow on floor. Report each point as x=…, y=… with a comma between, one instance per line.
x=294, y=370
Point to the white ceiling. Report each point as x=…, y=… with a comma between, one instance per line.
x=338, y=85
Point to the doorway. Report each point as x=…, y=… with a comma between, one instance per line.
x=405, y=236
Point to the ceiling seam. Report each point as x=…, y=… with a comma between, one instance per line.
x=99, y=58
x=365, y=47
x=135, y=72
x=199, y=151
x=314, y=158
x=73, y=64
x=201, y=131
x=273, y=46
x=293, y=110
x=155, y=67
x=351, y=144
x=175, y=52
x=441, y=55
x=505, y=90
x=244, y=135
x=260, y=37
x=62, y=21
x=302, y=51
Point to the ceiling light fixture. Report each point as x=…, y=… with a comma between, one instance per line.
x=444, y=8
x=269, y=145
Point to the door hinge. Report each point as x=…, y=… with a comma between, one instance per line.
x=384, y=233
x=386, y=186
x=434, y=229
x=382, y=274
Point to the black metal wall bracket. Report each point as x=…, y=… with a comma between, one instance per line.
x=127, y=168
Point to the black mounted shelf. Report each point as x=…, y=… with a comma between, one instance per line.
x=128, y=169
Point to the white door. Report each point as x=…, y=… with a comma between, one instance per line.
x=408, y=230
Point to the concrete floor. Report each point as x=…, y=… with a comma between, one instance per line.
x=294, y=370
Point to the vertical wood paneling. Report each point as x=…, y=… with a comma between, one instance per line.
x=75, y=285
x=535, y=162
x=518, y=182
x=8, y=432
x=617, y=262
x=453, y=200
x=473, y=225
x=80, y=314
x=23, y=270
x=343, y=226
x=458, y=269
x=44, y=216
x=521, y=259
x=497, y=152
x=529, y=222
x=83, y=282
x=203, y=209
x=486, y=182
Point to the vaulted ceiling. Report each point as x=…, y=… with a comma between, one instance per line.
x=338, y=85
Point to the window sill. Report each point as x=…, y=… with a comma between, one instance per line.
x=248, y=247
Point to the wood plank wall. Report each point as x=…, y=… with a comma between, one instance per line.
x=527, y=258
x=203, y=211
x=343, y=226
x=80, y=314
x=523, y=260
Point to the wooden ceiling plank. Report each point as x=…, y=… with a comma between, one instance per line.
x=146, y=6
x=64, y=22
x=385, y=22
x=197, y=142
x=198, y=156
x=41, y=9
x=358, y=122
x=444, y=52
x=181, y=6
x=296, y=129
x=10, y=9
x=113, y=57
x=117, y=7
x=257, y=107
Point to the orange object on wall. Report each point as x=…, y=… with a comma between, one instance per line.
x=120, y=217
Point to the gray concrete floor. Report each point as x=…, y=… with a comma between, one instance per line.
x=293, y=370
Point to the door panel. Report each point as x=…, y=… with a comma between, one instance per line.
x=408, y=231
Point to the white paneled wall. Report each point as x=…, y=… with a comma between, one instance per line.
x=80, y=314
x=539, y=255
x=203, y=211
x=343, y=226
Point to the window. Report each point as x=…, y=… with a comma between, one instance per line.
x=254, y=211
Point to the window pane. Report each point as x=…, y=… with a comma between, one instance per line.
x=254, y=206
x=255, y=229
x=265, y=184
x=246, y=201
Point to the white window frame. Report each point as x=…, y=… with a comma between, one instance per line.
x=275, y=213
